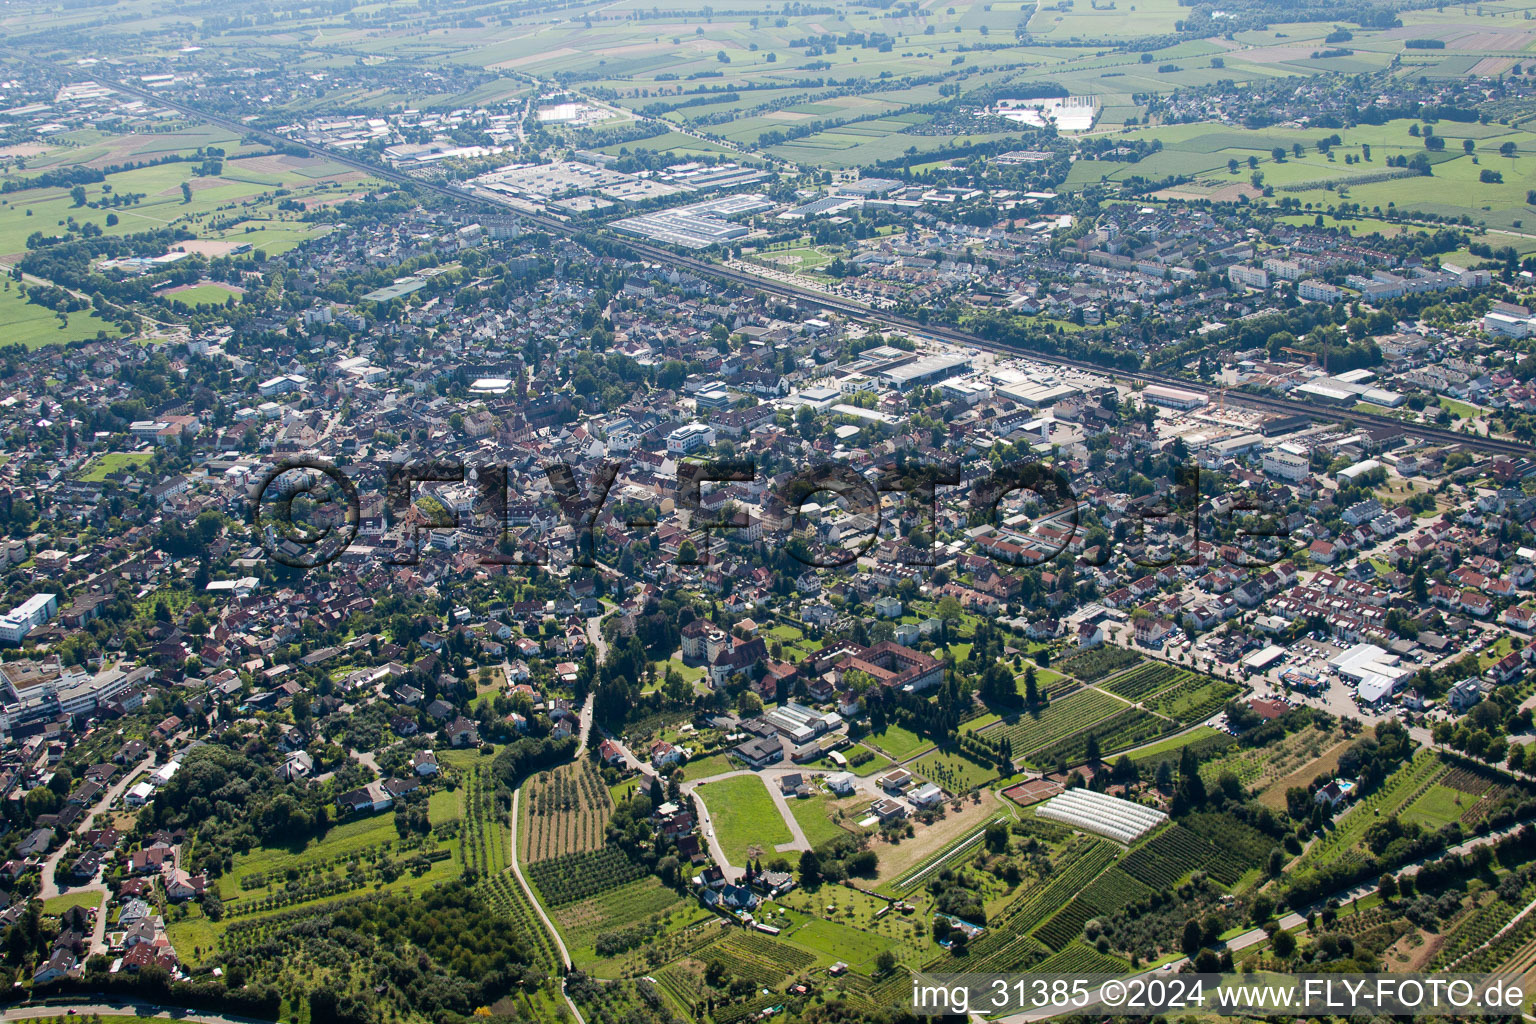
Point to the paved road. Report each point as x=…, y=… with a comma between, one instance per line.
x=50, y=888
x=595, y=637
x=517, y=872
x=586, y=724
x=732, y=872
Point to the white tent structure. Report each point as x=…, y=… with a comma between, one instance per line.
x=1376, y=672
x=1104, y=815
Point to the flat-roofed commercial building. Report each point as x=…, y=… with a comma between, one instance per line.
x=922, y=372
x=1173, y=398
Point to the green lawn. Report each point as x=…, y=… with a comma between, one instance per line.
x=194, y=937
x=856, y=948
x=744, y=816
x=96, y=470
x=462, y=758
x=981, y=722
x=203, y=295
x=714, y=764
x=877, y=764
x=1488, y=655
x=898, y=742
x=874, y=767
x=59, y=904
x=690, y=673
x=814, y=816
x=444, y=806
x=1456, y=408
x=850, y=927
x=1177, y=742
x=1439, y=806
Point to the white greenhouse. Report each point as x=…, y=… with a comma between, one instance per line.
x=1101, y=814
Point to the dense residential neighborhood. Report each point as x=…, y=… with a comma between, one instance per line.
x=537, y=513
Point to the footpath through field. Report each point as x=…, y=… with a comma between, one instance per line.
x=585, y=719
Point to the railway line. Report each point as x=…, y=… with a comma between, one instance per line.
x=1265, y=403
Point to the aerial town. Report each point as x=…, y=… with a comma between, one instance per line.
x=509, y=517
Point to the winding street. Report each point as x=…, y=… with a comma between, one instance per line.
x=517, y=872
x=585, y=719
x=49, y=888
x=733, y=872
x=863, y=785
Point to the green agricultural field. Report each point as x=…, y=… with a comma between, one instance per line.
x=1438, y=806
x=1193, y=698
x=1410, y=782
x=1161, y=749
x=582, y=922
x=444, y=806
x=1112, y=21
x=670, y=142
x=954, y=773
x=744, y=815
x=49, y=210
x=1202, y=152
x=100, y=149
x=1033, y=729
x=851, y=910
x=350, y=837
x=194, y=936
